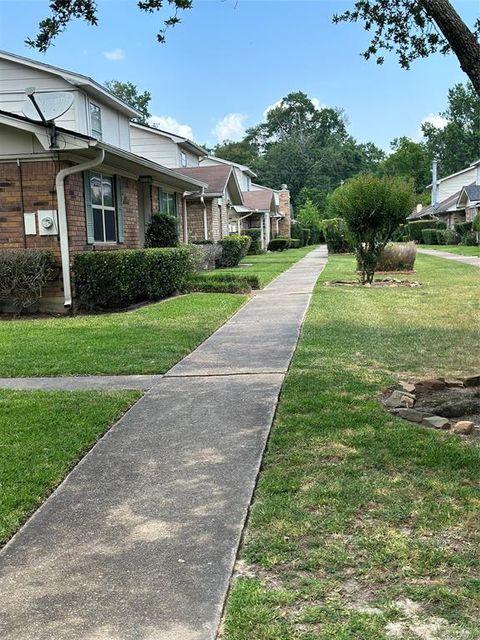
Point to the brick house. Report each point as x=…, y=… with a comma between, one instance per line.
x=76, y=187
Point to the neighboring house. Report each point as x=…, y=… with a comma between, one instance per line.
x=81, y=189
x=209, y=209
x=458, y=198
x=280, y=216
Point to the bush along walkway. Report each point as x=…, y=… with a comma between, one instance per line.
x=451, y=256
x=140, y=540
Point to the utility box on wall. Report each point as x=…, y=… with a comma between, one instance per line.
x=47, y=222
x=30, y=224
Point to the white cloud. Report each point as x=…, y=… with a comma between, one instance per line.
x=315, y=101
x=438, y=121
x=231, y=127
x=115, y=55
x=169, y=124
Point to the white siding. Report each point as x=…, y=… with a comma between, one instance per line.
x=451, y=185
x=115, y=126
x=154, y=146
x=14, y=142
x=192, y=159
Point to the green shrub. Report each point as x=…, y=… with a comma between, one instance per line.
x=221, y=283
x=429, y=236
x=202, y=242
x=469, y=239
x=440, y=225
x=279, y=244
x=116, y=279
x=447, y=236
x=399, y=233
x=397, y=257
x=306, y=236
x=462, y=227
x=23, y=275
x=256, y=244
x=295, y=243
x=416, y=227
x=162, y=231
x=234, y=248
x=205, y=255
x=297, y=232
x=336, y=235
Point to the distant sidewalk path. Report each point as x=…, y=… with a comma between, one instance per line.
x=139, y=542
x=473, y=260
x=80, y=383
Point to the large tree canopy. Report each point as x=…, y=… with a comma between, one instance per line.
x=415, y=29
x=458, y=143
x=409, y=160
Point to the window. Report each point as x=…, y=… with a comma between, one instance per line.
x=96, y=121
x=167, y=202
x=103, y=208
x=183, y=158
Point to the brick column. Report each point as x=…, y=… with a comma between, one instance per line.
x=285, y=224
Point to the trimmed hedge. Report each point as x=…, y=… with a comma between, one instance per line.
x=416, y=227
x=448, y=236
x=469, y=239
x=476, y=223
x=256, y=244
x=295, y=243
x=162, y=231
x=23, y=275
x=429, y=236
x=234, y=248
x=462, y=228
x=221, y=283
x=116, y=279
x=279, y=244
x=335, y=232
x=440, y=225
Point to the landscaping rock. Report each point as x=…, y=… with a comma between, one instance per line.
x=454, y=383
x=459, y=408
x=408, y=387
x=411, y=415
x=472, y=381
x=463, y=427
x=400, y=399
x=438, y=422
x=433, y=384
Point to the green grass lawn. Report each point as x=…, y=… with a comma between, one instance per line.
x=269, y=265
x=366, y=527
x=148, y=340
x=42, y=435
x=453, y=248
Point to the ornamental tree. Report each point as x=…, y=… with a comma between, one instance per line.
x=372, y=208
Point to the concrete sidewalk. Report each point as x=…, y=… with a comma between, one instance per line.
x=140, y=540
x=81, y=383
x=473, y=260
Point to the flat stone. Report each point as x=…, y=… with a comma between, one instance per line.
x=454, y=383
x=458, y=408
x=409, y=387
x=430, y=384
x=472, y=381
x=437, y=422
x=400, y=399
x=411, y=415
x=463, y=427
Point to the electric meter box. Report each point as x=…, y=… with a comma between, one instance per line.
x=47, y=222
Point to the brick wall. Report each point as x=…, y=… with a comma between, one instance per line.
x=38, y=189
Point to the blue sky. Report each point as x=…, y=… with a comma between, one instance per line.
x=230, y=59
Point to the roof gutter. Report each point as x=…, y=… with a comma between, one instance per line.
x=62, y=219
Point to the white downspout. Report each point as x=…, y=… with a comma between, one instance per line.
x=205, y=220
x=267, y=229
x=62, y=220
x=185, y=217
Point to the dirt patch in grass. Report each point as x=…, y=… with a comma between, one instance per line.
x=379, y=282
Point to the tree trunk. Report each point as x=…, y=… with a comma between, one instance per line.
x=462, y=41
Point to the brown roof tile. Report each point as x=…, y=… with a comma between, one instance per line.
x=261, y=199
x=215, y=176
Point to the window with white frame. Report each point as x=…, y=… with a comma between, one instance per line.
x=96, y=121
x=103, y=208
x=167, y=202
x=183, y=159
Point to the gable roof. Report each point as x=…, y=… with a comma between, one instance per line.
x=89, y=85
x=180, y=140
x=242, y=167
x=218, y=178
x=261, y=200
x=440, y=207
x=472, y=191
x=471, y=166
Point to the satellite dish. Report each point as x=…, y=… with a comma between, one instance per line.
x=51, y=104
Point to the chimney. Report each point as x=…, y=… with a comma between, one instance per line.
x=419, y=207
x=285, y=224
x=434, y=183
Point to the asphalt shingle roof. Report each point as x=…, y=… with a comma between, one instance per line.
x=216, y=176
